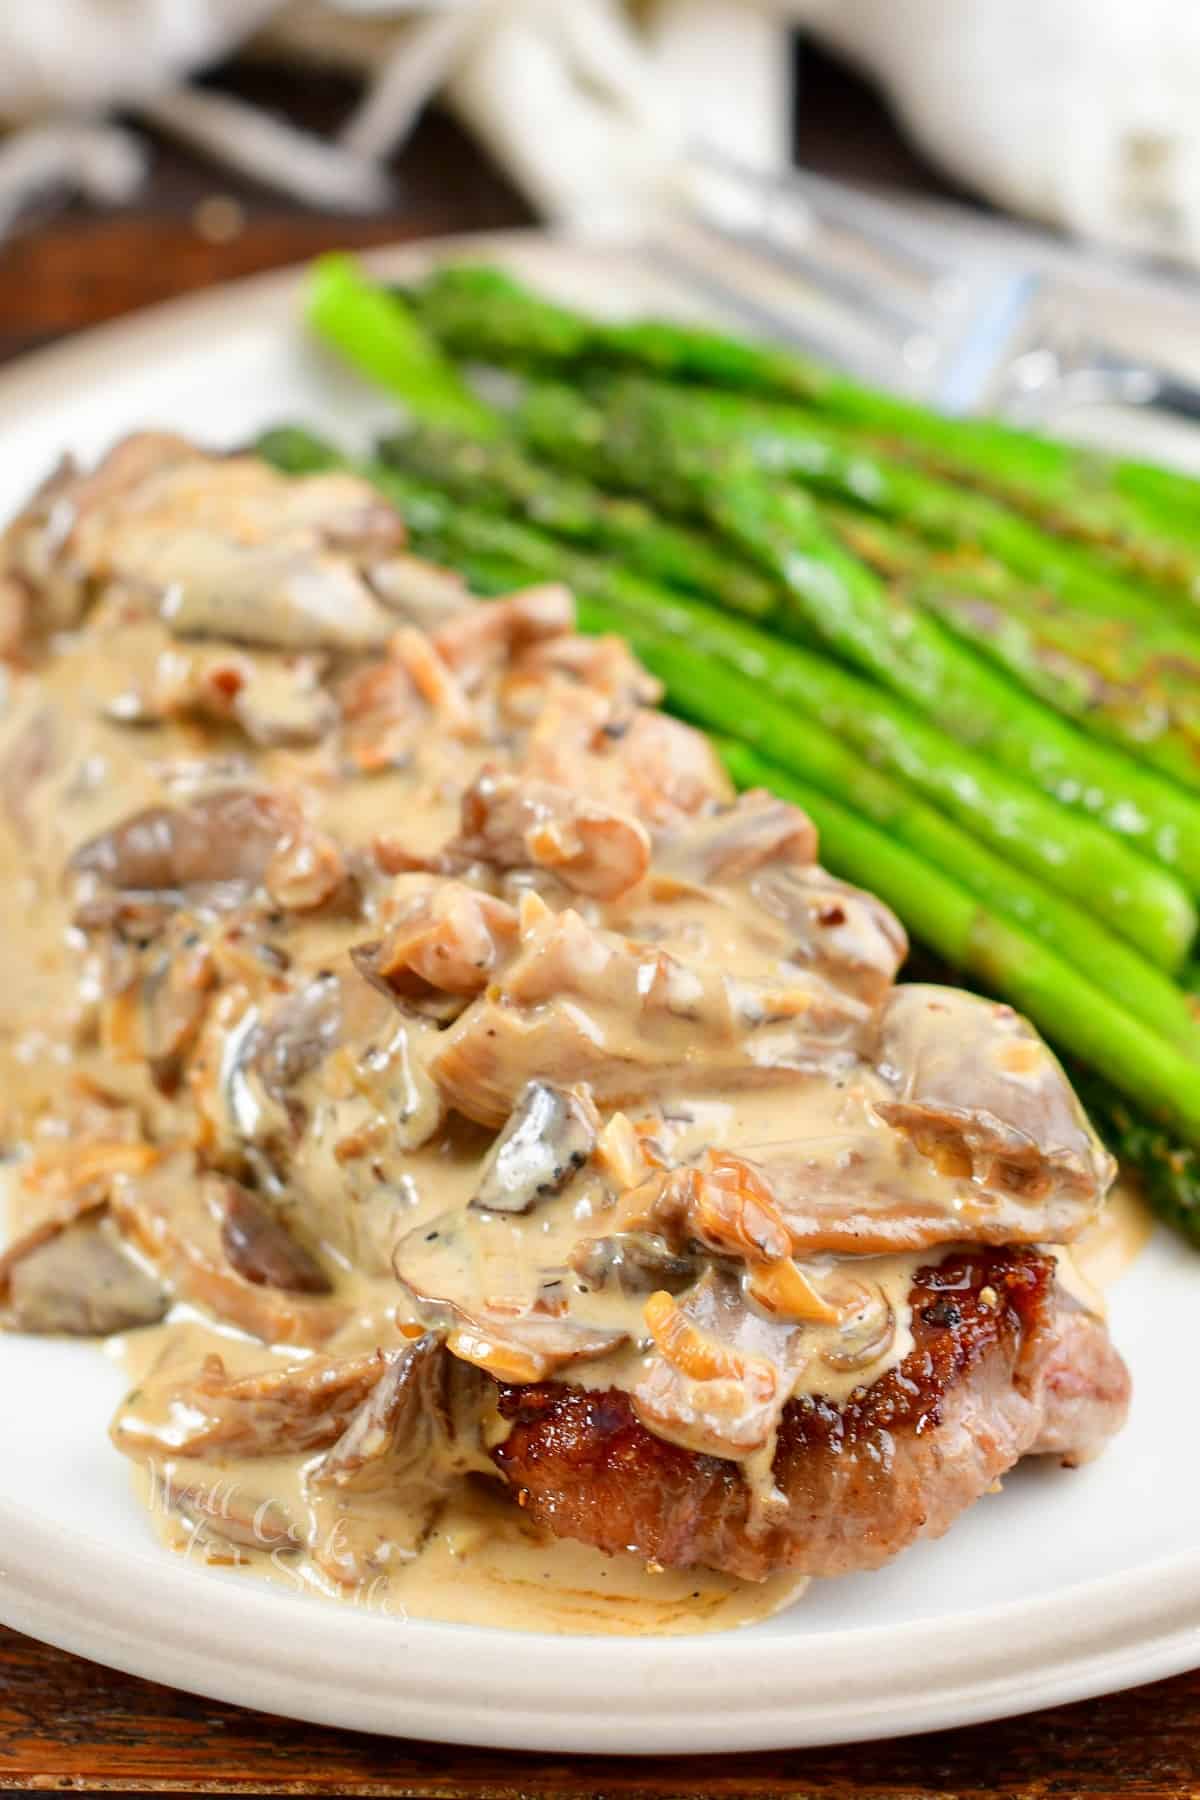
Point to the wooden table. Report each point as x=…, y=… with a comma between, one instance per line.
x=65, y=1723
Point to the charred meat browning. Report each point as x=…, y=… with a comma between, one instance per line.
x=860, y=1481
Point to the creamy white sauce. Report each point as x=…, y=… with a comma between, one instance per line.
x=693, y=1011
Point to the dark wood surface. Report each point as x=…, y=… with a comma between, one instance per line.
x=68, y=1724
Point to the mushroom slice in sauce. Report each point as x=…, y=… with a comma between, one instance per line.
x=291, y=1039
x=180, y=1218
x=81, y=1282
x=857, y=1190
x=468, y=1280
x=227, y=837
x=549, y=1136
x=299, y=1032
x=281, y=597
x=260, y=1249
x=274, y=698
x=41, y=545
x=269, y=1412
x=720, y=1375
x=848, y=936
x=445, y=937
x=630, y=1020
x=224, y=845
x=374, y=1494
x=733, y=842
x=605, y=664
x=157, y=1015
x=720, y=1204
x=513, y=822
x=983, y=1099
x=234, y=548
x=225, y=1509
x=868, y=1325
x=637, y=1262
x=654, y=767
x=420, y=591
x=485, y=637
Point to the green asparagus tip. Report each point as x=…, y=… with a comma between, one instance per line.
x=372, y=329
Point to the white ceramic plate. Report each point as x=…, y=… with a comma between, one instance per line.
x=1066, y=1585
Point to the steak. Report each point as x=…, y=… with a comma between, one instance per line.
x=1003, y=1364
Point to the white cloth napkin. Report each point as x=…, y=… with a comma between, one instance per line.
x=1085, y=113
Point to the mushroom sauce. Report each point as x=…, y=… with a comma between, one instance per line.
x=398, y=1007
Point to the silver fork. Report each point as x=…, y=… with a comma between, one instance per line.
x=839, y=273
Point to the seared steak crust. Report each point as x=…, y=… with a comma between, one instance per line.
x=898, y=1461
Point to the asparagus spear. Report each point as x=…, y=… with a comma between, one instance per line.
x=731, y=703
x=1063, y=1003
x=1159, y=649
x=1127, y=690
x=1070, y=853
x=648, y=444
x=1143, y=515
x=631, y=420
x=498, y=476
x=1137, y=684
x=378, y=335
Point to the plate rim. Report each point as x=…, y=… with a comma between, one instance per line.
x=471, y=1685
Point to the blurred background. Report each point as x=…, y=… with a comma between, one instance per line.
x=152, y=146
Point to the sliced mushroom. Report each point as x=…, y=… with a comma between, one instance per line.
x=296, y=1035
x=260, y=1249
x=626, y=1017
x=179, y=1218
x=42, y=543
x=230, y=1511
x=232, y=547
x=637, y=1262
x=282, y=597
x=274, y=698
x=549, y=1136
x=408, y=1397
x=487, y=636
x=157, y=1013
x=983, y=1100
x=733, y=842
x=466, y=1282
x=654, y=767
x=269, y=1412
x=82, y=1283
x=868, y=1328
x=222, y=845
x=605, y=664
x=515, y=822
x=443, y=938
x=374, y=1494
x=720, y=1374
x=229, y=836
x=420, y=591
